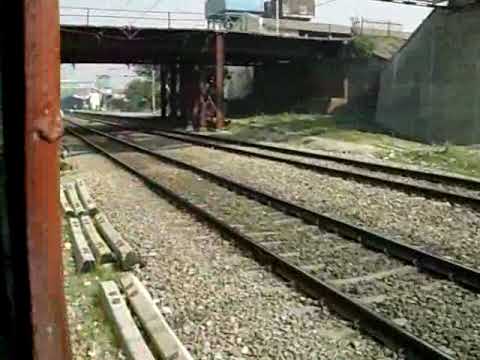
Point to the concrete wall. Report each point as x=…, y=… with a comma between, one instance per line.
x=271, y=88
x=350, y=85
x=239, y=83
x=431, y=89
x=322, y=86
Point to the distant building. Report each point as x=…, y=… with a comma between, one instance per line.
x=95, y=100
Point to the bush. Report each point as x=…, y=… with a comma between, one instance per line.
x=363, y=46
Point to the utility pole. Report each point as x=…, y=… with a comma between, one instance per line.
x=154, y=100
x=277, y=16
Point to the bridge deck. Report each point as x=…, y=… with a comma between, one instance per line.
x=90, y=44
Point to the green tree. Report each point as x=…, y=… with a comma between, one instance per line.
x=139, y=95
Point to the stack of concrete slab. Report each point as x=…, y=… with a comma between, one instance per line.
x=158, y=341
x=95, y=241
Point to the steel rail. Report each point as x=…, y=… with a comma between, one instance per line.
x=421, y=259
x=431, y=192
x=428, y=191
x=395, y=170
x=372, y=323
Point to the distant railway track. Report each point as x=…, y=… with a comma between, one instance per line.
x=315, y=252
x=434, y=185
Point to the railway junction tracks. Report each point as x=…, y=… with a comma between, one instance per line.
x=436, y=185
x=409, y=299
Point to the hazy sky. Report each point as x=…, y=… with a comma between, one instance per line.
x=327, y=11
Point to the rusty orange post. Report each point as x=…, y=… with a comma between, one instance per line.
x=220, y=74
x=43, y=129
x=39, y=325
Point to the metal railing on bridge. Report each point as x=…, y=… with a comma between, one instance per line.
x=362, y=26
x=135, y=18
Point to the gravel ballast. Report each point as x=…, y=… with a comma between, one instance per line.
x=438, y=226
x=200, y=190
x=222, y=304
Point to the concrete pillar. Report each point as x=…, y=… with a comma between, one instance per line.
x=346, y=85
x=220, y=72
x=163, y=90
x=182, y=75
x=173, y=91
x=188, y=86
x=259, y=87
x=202, y=109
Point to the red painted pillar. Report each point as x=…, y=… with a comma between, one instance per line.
x=39, y=330
x=220, y=74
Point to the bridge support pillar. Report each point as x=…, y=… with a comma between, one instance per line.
x=200, y=107
x=188, y=86
x=173, y=91
x=163, y=90
x=220, y=74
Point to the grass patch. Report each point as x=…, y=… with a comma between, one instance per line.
x=458, y=159
x=355, y=134
x=294, y=128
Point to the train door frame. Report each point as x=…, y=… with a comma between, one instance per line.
x=36, y=306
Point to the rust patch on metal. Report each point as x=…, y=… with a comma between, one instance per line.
x=43, y=127
x=49, y=127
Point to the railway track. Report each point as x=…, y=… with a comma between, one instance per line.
x=434, y=185
x=404, y=297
